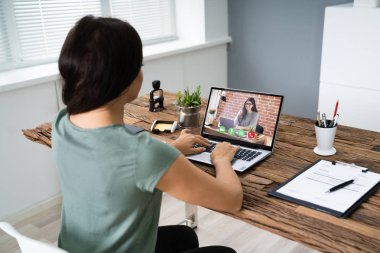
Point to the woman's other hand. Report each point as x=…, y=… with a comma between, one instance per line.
x=223, y=152
x=186, y=141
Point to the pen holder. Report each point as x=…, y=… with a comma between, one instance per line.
x=325, y=140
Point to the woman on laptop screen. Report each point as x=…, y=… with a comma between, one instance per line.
x=248, y=116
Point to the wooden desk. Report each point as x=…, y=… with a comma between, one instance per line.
x=293, y=152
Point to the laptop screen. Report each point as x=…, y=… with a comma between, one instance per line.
x=242, y=117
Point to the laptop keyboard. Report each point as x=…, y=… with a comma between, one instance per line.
x=242, y=153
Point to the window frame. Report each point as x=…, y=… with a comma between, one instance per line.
x=14, y=41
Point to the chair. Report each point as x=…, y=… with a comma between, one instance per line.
x=259, y=129
x=28, y=245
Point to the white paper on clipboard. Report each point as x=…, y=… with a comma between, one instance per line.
x=313, y=184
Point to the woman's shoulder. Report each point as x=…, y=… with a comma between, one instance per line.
x=60, y=115
x=58, y=122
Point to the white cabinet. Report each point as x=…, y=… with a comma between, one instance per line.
x=350, y=67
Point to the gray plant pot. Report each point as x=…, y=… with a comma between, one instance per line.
x=189, y=117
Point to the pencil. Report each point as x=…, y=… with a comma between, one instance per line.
x=319, y=119
x=336, y=108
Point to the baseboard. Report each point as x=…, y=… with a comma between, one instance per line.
x=48, y=203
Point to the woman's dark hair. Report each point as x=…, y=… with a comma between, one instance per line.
x=254, y=108
x=99, y=59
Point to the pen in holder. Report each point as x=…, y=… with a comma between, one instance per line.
x=325, y=139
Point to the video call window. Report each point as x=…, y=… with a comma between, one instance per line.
x=242, y=116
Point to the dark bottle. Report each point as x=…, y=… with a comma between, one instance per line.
x=156, y=100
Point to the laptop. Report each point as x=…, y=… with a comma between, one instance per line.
x=262, y=109
x=227, y=123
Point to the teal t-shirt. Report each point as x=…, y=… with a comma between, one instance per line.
x=108, y=177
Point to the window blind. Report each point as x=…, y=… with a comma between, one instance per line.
x=42, y=25
x=5, y=50
x=33, y=31
x=153, y=19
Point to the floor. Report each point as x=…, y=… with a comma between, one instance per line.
x=42, y=223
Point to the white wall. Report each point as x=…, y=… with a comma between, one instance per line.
x=27, y=173
x=216, y=20
x=205, y=67
x=190, y=20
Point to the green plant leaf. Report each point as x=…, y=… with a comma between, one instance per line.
x=189, y=99
x=179, y=97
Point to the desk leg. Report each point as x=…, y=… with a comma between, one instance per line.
x=191, y=216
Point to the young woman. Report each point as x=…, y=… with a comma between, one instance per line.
x=111, y=179
x=248, y=116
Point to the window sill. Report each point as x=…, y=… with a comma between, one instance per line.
x=25, y=77
x=179, y=47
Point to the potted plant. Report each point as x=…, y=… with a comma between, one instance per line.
x=211, y=117
x=188, y=107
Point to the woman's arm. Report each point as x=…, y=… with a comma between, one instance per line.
x=246, y=128
x=237, y=119
x=186, y=182
x=185, y=143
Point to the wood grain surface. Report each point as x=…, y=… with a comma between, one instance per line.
x=293, y=152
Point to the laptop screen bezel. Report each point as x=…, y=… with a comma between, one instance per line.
x=238, y=142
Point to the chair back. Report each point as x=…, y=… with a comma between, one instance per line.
x=259, y=129
x=29, y=245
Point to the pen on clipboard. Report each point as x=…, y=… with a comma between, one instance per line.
x=340, y=186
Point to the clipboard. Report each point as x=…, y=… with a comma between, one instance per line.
x=352, y=204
